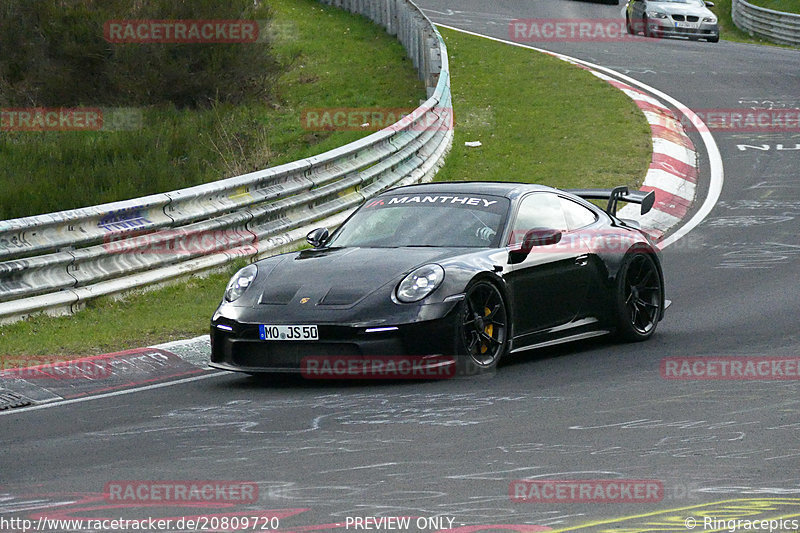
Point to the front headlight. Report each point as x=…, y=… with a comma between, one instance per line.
x=712, y=20
x=420, y=283
x=239, y=282
x=657, y=15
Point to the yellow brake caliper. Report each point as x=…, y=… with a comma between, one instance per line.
x=489, y=329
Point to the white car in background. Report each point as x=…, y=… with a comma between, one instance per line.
x=672, y=18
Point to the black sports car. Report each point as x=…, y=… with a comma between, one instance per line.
x=469, y=270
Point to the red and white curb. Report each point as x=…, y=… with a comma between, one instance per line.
x=673, y=170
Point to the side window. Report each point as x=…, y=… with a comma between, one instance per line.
x=577, y=215
x=539, y=210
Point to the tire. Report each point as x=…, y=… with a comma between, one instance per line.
x=639, y=297
x=714, y=39
x=483, y=329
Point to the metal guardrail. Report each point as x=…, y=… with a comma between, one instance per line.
x=776, y=26
x=58, y=261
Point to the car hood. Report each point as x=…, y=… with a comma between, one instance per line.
x=672, y=8
x=336, y=277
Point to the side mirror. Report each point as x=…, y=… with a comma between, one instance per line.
x=709, y=4
x=533, y=238
x=317, y=237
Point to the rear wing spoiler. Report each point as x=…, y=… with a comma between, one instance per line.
x=646, y=199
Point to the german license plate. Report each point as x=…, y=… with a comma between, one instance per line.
x=689, y=25
x=288, y=333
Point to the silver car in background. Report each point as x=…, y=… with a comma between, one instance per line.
x=672, y=18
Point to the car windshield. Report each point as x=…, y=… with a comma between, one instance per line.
x=435, y=220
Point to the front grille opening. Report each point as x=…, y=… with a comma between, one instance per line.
x=287, y=354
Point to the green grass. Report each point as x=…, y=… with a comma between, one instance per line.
x=326, y=53
x=539, y=119
x=787, y=6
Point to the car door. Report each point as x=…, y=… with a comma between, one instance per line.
x=549, y=286
x=586, y=237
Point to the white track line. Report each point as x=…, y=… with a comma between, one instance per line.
x=714, y=157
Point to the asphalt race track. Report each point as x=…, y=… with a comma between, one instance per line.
x=326, y=452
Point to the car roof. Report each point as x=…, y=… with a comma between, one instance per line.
x=495, y=188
